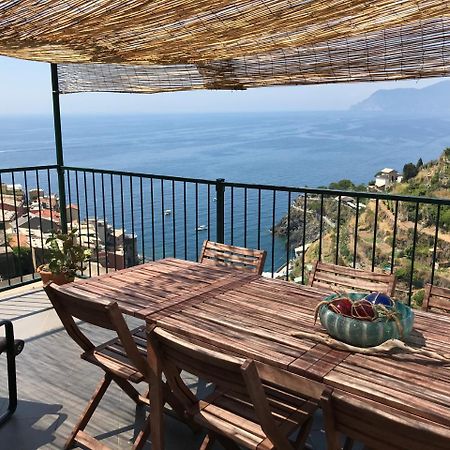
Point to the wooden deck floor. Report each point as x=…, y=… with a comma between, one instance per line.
x=54, y=386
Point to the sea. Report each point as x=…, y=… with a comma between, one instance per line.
x=280, y=148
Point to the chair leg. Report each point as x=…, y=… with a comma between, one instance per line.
x=208, y=441
x=143, y=435
x=303, y=434
x=89, y=410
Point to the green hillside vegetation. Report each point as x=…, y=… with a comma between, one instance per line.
x=429, y=180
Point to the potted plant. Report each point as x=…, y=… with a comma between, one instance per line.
x=66, y=257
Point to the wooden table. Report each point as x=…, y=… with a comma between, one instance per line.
x=150, y=288
x=255, y=317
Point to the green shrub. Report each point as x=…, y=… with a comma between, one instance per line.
x=417, y=298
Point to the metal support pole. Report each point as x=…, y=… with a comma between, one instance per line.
x=220, y=210
x=59, y=148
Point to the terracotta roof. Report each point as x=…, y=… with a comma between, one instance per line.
x=45, y=214
x=21, y=239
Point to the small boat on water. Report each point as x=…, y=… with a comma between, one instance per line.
x=201, y=228
x=167, y=212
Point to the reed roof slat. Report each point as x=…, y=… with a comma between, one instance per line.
x=168, y=45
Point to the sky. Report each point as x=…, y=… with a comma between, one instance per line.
x=25, y=89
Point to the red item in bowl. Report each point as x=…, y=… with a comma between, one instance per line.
x=363, y=310
x=341, y=306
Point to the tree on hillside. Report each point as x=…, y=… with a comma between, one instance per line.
x=419, y=164
x=409, y=171
x=347, y=185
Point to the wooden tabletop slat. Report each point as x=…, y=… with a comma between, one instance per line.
x=254, y=317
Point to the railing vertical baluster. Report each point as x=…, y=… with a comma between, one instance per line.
x=436, y=236
x=259, y=218
x=375, y=230
x=5, y=237
x=86, y=204
x=320, y=227
x=40, y=216
x=153, y=217
x=305, y=209
x=288, y=242
x=220, y=205
x=78, y=205
x=19, y=251
x=232, y=215
x=94, y=195
x=174, y=229
x=245, y=217
x=163, y=221
x=338, y=229
x=27, y=206
x=185, y=221
x=50, y=200
x=413, y=254
x=196, y=221
x=113, y=213
x=394, y=237
x=355, y=243
x=141, y=197
x=69, y=193
x=133, y=234
x=104, y=221
x=122, y=211
x=209, y=212
x=273, y=232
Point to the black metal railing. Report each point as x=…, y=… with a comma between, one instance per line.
x=129, y=218
x=26, y=216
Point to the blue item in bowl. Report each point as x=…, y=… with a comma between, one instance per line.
x=363, y=333
x=378, y=298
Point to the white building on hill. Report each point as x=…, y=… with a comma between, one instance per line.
x=386, y=178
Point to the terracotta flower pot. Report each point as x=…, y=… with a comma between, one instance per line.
x=57, y=278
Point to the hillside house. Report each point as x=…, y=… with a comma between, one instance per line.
x=34, y=221
x=386, y=178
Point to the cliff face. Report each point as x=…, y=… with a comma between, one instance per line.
x=297, y=225
x=432, y=180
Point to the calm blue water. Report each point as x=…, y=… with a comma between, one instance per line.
x=296, y=149
x=274, y=148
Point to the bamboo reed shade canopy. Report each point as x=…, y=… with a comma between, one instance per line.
x=167, y=45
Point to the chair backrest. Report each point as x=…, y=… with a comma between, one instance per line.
x=99, y=312
x=378, y=427
x=339, y=278
x=436, y=297
x=231, y=256
x=230, y=374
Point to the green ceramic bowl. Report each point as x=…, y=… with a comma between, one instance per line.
x=363, y=333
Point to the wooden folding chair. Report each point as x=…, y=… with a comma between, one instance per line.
x=376, y=426
x=254, y=405
x=123, y=359
x=341, y=279
x=436, y=297
x=231, y=256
